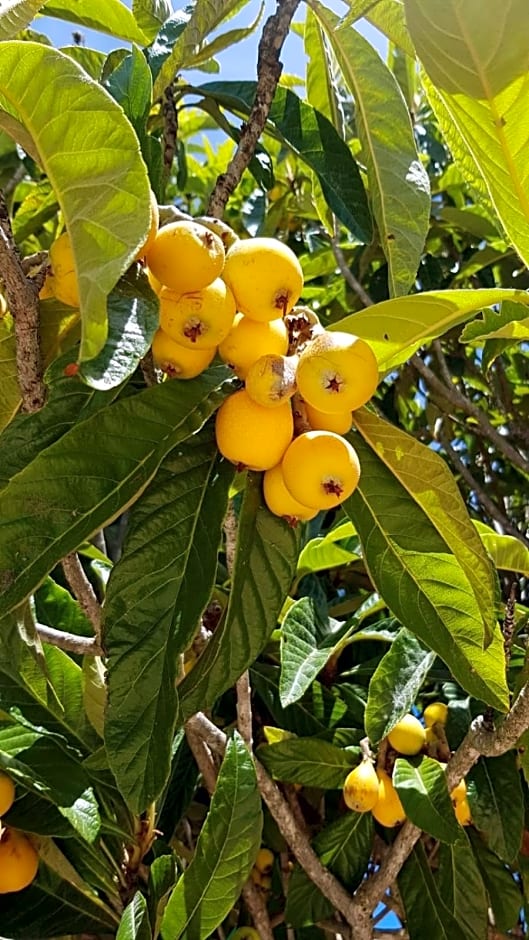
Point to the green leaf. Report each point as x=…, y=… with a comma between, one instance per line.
x=480, y=78
x=62, y=907
x=396, y=328
x=106, y=16
x=322, y=88
x=506, y=551
x=91, y=60
x=226, y=850
x=15, y=15
x=421, y=785
x=10, y=398
x=308, y=640
x=398, y=183
x=510, y=322
x=316, y=711
x=92, y=157
x=130, y=84
x=412, y=464
x=461, y=887
x=496, y=801
x=426, y=912
x=205, y=17
x=56, y=607
x=504, y=893
x=326, y=551
x=395, y=684
x=130, y=437
x=162, y=877
x=155, y=596
x=150, y=15
x=51, y=770
x=308, y=761
x=344, y=847
x=420, y=579
x=133, y=316
x=388, y=16
x=69, y=401
x=134, y=923
x=267, y=551
x=315, y=141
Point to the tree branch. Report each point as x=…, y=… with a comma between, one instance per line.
x=269, y=68
x=345, y=270
x=23, y=302
x=71, y=642
x=83, y=591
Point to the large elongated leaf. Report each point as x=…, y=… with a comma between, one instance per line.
x=314, y=139
x=267, y=550
x=92, y=158
x=310, y=762
x=106, y=16
x=45, y=512
x=225, y=851
x=481, y=78
x=396, y=328
x=496, y=801
x=15, y=15
x=426, y=913
x=421, y=580
x=322, y=87
x=308, y=640
x=395, y=684
x=421, y=785
x=399, y=185
x=503, y=891
x=427, y=479
x=461, y=887
x=344, y=848
x=62, y=907
x=154, y=599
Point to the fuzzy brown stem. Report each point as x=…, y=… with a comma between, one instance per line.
x=83, y=591
x=269, y=68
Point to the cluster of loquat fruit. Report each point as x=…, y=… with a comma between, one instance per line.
x=370, y=789
x=19, y=861
x=220, y=294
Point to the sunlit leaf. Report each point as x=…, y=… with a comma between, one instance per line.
x=510, y=322
x=16, y=15
x=395, y=684
x=150, y=15
x=309, y=762
x=506, y=551
x=421, y=785
x=106, y=16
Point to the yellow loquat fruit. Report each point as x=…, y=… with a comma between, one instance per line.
x=19, y=861
x=248, y=340
x=65, y=284
x=186, y=256
x=265, y=277
x=272, y=380
x=337, y=372
x=7, y=794
x=252, y=436
x=153, y=281
x=279, y=500
x=388, y=809
x=340, y=423
x=264, y=861
x=459, y=792
x=434, y=713
x=179, y=362
x=407, y=736
x=320, y=469
x=463, y=813
x=360, y=790
x=153, y=230
x=200, y=319
x=47, y=290
x=246, y=933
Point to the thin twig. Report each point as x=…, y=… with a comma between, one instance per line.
x=170, y=128
x=458, y=400
x=202, y=755
x=244, y=709
x=255, y=903
x=83, y=591
x=23, y=302
x=488, y=504
x=71, y=642
x=345, y=270
x=230, y=534
x=269, y=68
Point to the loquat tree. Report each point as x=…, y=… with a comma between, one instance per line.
x=264, y=461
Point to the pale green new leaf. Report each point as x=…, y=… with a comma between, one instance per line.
x=511, y=322
x=16, y=15
x=106, y=16
x=399, y=186
x=396, y=328
x=225, y=852
x=92, y=158
x=206, y=16
x=427, y=479
x=506, y=551
x=481, y=77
